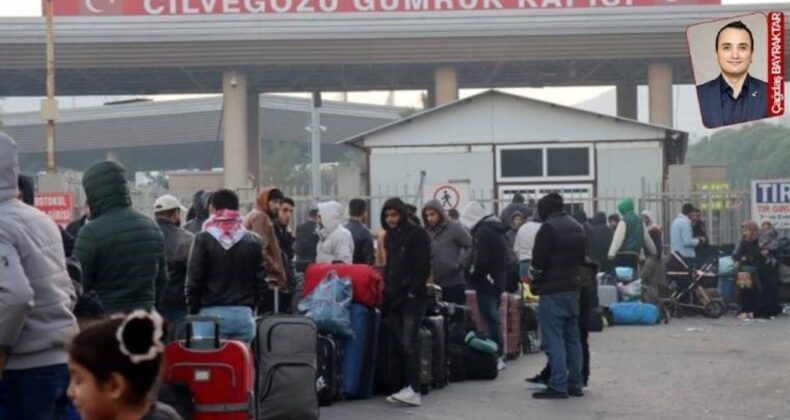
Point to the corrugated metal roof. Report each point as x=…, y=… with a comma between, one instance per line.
x=190, y=121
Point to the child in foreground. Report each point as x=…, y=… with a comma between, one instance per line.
x=115, y=367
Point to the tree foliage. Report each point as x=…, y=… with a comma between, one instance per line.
x=760, y=150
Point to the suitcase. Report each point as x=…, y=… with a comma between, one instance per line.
x=510, y=315
x=474, y=313
x=530, y=336
x=436, y=326
x=436, y=304
x=607, y=295
x=596, y=320
x=455, y=352
x=285, y=355
x=426, y=355
x=219, y=374
x=329, y=376
x=480, y=365
x=359, y=358
x=367, y=283
x=388, y=377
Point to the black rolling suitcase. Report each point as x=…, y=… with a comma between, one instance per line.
x=436, y=326
x=329, y=376
x=426, y=363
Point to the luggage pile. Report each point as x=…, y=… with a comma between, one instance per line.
x=620, y=301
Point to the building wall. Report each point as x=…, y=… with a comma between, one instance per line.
x=623, y=169
x=396, y=171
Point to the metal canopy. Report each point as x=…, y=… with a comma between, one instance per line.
x=187, y=54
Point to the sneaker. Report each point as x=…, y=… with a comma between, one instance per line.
x=409, y=397
x=537, y=380
x=550, y=394
x=575, y=392
x=500, y=364
x=392, y=398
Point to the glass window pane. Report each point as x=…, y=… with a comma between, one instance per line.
x=521, y=163
x=568, y=161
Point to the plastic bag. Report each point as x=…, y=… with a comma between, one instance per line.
x=631, y=291
x=625, y=274
x=328, y=305
x=726, y=266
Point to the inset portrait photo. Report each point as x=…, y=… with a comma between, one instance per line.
x=731, y=59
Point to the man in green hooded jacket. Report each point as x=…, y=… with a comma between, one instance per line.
x=630, y=238
x=122, y=251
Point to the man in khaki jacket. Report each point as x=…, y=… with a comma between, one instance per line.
x=260, y=221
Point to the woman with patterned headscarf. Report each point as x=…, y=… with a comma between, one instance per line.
x=748, y=258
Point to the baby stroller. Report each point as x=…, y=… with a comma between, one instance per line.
x=690, y=288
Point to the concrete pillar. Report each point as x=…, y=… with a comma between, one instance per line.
x=235, y=129
x=430, y=98
x=254, y=136
x=627, y=101
x=659, y=86
x=446, y=85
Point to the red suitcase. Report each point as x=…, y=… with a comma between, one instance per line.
x=219, y=373
x=367, y=282
x=474, y=312
x=510, y=315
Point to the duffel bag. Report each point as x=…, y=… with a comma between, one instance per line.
x=366, y=282
x=634, y=313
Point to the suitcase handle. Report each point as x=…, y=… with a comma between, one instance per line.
x=202, y=318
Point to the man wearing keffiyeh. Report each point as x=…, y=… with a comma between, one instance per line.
x=226, y=276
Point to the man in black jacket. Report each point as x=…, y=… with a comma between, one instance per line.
x=408, y=267
x=167, y=210
x=306, y=244
x=488, y=267
x=364, y=252
x=558, y=253
x=286, y=240
x=226, y=276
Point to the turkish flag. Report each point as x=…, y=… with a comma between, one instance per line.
x=85, y=7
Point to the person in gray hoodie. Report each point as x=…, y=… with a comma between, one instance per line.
x=36, y=299
x=449, y=240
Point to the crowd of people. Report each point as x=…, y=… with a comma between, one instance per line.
x=80, y=307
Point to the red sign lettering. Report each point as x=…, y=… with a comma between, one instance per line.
x=57, y=206
x=206, y=7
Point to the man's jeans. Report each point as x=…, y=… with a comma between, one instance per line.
x=34, y=394
x=489, y=310
x=558, y=315
x=405, y=324
x=236, y=323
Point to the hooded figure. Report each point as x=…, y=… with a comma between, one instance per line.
x=517, y=205
x=630, y=237
x=407, y=270
x=260, y=221
x=408, y=250
x=559, y=249
x=335, y=241
x=198, y=213
x=448, y=241
x=599, y=240
x=122, y=251
x=36, y=298
x=488, y=271
x=653, y=230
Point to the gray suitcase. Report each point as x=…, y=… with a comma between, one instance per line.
x=607, y=295
x=286, y=364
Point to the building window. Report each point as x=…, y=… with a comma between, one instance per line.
x=521, y=163
x=555, y=162
x=568, y=161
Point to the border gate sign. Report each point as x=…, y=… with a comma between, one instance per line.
x=771, y=200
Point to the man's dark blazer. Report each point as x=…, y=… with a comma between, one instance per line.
x=709, y=95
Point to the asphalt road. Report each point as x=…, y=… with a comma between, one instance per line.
x=693, y=368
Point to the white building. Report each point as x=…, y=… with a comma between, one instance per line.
x=494, y=144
